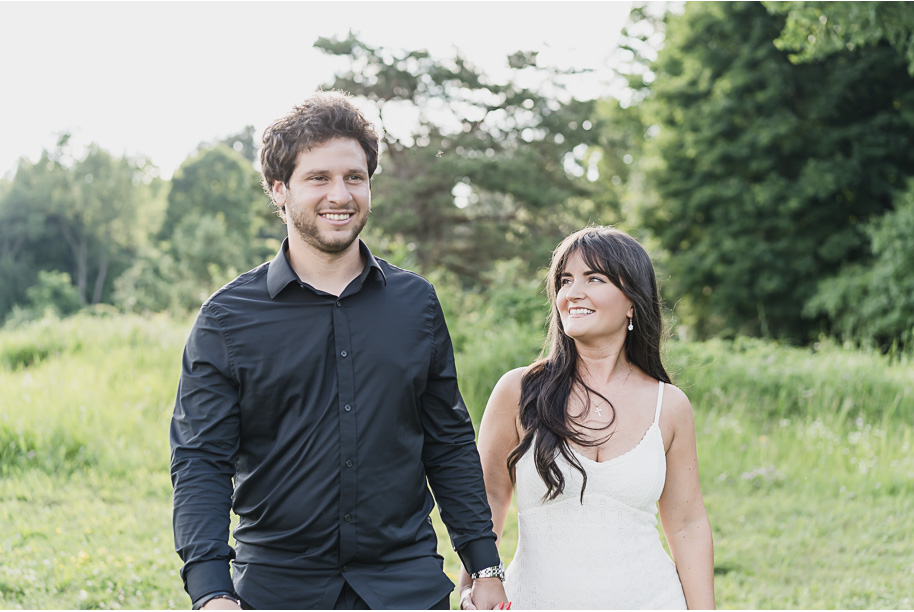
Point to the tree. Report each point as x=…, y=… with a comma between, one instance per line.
x=815, y=30
x=83, y=215
x=22, y=228
x=766, y=171
x=873, y=300
x=216, y=181
x=472, y=171
x=218, y=223
x=108, y=218
x=178, y=275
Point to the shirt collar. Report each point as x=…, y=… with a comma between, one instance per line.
x=280, y=272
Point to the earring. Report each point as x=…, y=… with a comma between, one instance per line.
x=630, y=326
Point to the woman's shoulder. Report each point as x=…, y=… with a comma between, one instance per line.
x=513, y=378
x=508, y=387
x=502, y=411
x=676, y=407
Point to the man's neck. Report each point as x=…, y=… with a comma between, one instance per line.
x=330, y=272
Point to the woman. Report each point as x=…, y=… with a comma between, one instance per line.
x=594, y=438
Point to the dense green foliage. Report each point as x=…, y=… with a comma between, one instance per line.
x=875, y=299
x=83, y=215
x=805, y=455
x=767, y=171
x=217, y=224
x=818, y=29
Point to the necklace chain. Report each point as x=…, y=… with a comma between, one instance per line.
x=597, y=407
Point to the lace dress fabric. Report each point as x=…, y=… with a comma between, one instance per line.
x=605, y=553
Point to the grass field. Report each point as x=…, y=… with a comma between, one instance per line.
x=806, y=458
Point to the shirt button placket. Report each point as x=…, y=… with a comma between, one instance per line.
x=345, y=367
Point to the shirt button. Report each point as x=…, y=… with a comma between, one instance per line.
x=343, y=353
x=339, y=304
x=347, y=518
x=345, y=568
x=348, y=462
x=347, y=407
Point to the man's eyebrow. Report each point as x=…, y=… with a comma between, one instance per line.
x=325, y=171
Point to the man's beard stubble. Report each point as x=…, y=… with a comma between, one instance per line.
x=310, y=233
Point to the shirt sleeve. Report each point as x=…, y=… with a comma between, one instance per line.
x=450, y=456
x=204, y=441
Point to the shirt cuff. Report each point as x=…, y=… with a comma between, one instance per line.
x=208, y=578
x=479, y=554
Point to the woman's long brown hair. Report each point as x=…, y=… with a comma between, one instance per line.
x=549, y=383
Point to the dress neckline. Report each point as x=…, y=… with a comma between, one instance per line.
x=654, y=424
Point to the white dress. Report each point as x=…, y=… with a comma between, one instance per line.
x=604, y=554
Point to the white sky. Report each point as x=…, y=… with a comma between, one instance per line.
x=158, y=78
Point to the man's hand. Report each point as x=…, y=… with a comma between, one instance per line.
x=484, y=594
x=220, y=603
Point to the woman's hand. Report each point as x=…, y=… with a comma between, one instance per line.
x=466, y=598
x=489, y=593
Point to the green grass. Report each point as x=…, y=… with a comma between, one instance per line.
x=806, y=459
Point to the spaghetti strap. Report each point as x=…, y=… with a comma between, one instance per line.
x=659, y=402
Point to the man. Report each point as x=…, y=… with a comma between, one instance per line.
x=323, y=383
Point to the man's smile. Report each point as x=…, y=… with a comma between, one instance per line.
x=337, y=217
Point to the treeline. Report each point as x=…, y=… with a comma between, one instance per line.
x=764, y=152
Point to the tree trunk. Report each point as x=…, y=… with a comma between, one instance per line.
x=80, y=249
x=100, y=277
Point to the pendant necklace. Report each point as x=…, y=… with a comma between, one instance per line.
x=597, y=408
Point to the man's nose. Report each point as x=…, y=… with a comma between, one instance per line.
x=339, y=192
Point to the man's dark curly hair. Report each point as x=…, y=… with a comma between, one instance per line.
x=320, y=118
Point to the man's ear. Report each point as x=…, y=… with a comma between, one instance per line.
x=279, y=194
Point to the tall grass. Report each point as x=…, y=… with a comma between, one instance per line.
x=805, y=454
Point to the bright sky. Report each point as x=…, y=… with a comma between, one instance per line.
x=158, y=78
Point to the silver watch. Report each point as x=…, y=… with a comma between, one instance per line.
x=496, y=571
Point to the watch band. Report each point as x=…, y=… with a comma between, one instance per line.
x=496, y=571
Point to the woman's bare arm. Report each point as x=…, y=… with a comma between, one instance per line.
x=498, y=435
x=682, y=509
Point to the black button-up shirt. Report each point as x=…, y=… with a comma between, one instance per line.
x=333, y=415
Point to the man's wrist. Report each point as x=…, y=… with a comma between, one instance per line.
x=219, y=595
x=494, y=571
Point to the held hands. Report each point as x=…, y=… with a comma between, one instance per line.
x=484, y=594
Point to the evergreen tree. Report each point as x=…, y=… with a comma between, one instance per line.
x=766, y=171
